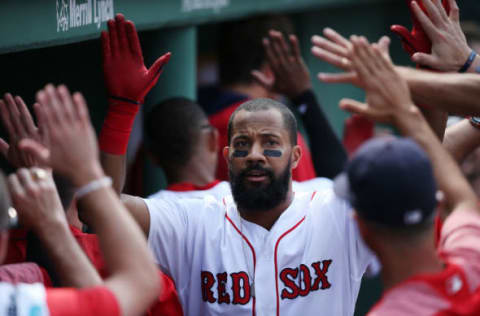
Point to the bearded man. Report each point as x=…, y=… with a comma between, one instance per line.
x=265, y=250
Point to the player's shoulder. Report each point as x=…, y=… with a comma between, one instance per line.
x=315, y=184
x=416, y=297
x=193, y=204
x=218, y=191
x=326, y=197
x=324, y=204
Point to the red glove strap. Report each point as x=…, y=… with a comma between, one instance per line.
x=117, y=127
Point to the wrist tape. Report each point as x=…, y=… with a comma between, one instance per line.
x=117, y=126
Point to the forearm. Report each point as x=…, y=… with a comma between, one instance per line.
x=115, y=167
x=451, y=92
x=70, y=264
x=328, y=154
x=461, y=139
x=123, y=246
x=447, y=173
x=437, y=119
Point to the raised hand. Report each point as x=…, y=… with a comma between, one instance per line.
x=19, y=125
x=449, y=49
x=35, y=198
x=128, y=81
x=126, y=76
x=416, y=41
x=387, y=92
x=291, y=76
x=73, y=150
x=333, y=48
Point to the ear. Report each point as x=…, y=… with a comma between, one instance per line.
x=226, y=151
x=296, y=156
x=213, y=140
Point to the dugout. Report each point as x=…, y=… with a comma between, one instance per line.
x=58, y=41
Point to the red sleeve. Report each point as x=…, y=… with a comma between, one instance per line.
x=73, y=302
x=168, y=303
x=459, y=243
x=91, y=247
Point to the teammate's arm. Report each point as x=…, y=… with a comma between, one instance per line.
x=451, y=92
x=389, y=101
x=36, y=200
x=461, y=139
x=134, y=278
x=322, y=137
x=442, y=90
x=128, y=81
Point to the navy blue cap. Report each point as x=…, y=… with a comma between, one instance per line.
x=389, y=181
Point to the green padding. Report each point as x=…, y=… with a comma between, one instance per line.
x=36, y=23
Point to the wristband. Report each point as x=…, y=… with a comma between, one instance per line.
x=117, y=126
x=469, y=62
x=125, y=100
x=93, y=186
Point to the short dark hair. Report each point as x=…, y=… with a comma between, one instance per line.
x=172, y=129
x=264, y=104
x=5, y=203
x=241, y=49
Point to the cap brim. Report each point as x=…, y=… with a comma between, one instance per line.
x=341, y=187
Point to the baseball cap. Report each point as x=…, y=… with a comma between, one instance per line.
x=389, y=181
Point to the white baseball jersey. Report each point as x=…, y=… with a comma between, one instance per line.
x=222, y=189
x=310, y=262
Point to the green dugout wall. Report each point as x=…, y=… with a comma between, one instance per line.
x=58, y=41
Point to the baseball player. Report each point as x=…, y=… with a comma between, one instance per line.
x=391, y=185
x=264, y=250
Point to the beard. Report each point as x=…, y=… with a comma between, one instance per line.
x=259, y=198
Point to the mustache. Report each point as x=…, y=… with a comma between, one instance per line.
x=256, y=167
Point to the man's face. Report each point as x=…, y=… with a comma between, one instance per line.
x=260, y=160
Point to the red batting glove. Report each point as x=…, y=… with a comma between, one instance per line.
x=416, y=41
x=128, y=81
